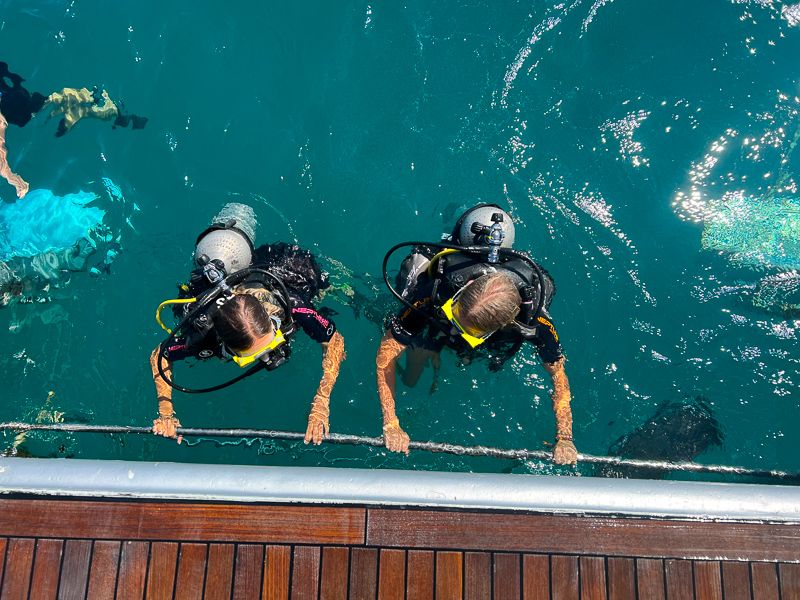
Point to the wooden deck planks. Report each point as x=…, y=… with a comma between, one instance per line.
x=449, y=575
x=477, y=575
x=277, y=560
x=593, y=577
x=535, y=577
x=335, y=573
x=680, y=579
x=46, y=570
x=621, y=578
x=650, y=578
x=708, y=579
x=564, y=577
x=248, y=571
x=419, y=576
x=221, y=565
x=182, y=522
x=549, y=534
x=736, y=581
x=219, y=572
x=190, y=578
x=764, y=577
x=161, y=575
x=17, y=575
x=132, y=570
x=506, y=576
x=363, y=573
x=75, y=570
x=392, y=575
x=102, y=582
x=305, y=573
x=790, y=581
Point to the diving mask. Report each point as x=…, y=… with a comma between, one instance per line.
x=263, y=352
x=473, y=341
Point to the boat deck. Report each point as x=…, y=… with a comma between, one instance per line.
x=78, y=548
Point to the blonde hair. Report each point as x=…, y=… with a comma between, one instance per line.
x=488, y=303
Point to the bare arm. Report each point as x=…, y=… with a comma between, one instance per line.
x=389, y=351
x=333, y=355
x=564, y=451
x=167, y=423
x=18, y=182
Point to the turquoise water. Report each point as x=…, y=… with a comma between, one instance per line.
x=623, y=136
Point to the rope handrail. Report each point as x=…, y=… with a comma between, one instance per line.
x=436, y=447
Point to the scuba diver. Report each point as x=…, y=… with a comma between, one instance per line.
x=473, y=294
x=18, y=106
x=46, y=238
x=244, y=304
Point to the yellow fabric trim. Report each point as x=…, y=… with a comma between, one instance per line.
x=549, y=325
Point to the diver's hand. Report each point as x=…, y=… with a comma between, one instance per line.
x=565, y=453
x=22, y=188
x=395, y=438
x=318, y=425
x=168, y=427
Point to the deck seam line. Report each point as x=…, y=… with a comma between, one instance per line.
x=175, y=570
x=61, y=566
x=377, y=572
x=292, y=548
x=349, y=567
x=233, y=569
x=5, y=565
x=147, y=569
x=33, y=566
x=263, y=570
x=205, y=569
x=88, y=568
x=119, y=564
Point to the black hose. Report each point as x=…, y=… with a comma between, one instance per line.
x=230, y=281
x=436, y=447
x=466, y=250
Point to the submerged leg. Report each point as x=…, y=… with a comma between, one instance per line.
x=5, y=170
x=416, y=361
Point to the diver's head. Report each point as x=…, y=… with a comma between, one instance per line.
x=464, y=233
x=230, y=238
x=243, y=325
x=487, y=304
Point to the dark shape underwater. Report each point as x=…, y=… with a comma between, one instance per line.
x=679, y=431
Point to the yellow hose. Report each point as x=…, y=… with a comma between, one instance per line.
x=167, y=302
x=437, y=256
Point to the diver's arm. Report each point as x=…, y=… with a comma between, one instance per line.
x=333, y=355
x=18, y=182
x=564, y=451
x=167, y=423
x=390, y=349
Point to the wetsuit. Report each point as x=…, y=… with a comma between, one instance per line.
x=413, y=329
x=17, y=104
x=301, y=275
